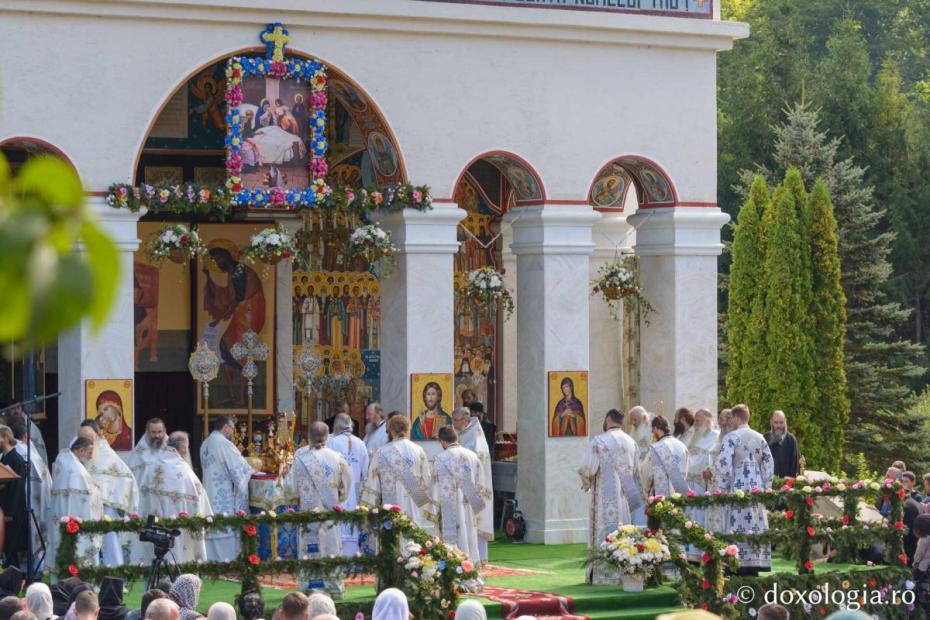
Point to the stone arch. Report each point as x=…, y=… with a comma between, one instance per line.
x=525, y=185
x=611, y=185
x=30, y=146
x=344, y=88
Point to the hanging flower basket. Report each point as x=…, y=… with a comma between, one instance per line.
x=270, y=246
x=485, y=288
x=618, y=282
x=371, y=246
x=176, y=243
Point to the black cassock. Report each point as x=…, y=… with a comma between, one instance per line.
x=13, y=502
x=785, y=455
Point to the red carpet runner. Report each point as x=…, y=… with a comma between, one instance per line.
x=541, y=605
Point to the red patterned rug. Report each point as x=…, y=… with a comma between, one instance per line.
x=288, y=581
x=541, y=605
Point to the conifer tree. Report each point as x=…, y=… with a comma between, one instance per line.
x=788, y=365
x=745, y=344
x=828, y=322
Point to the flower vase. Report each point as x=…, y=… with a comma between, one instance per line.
x=632, y=583
x=179, y=256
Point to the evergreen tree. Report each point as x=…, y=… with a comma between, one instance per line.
x=788, y=366
x=744, y=341
x=877, y=363
x=828, y=321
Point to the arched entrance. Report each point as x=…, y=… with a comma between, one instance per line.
x=490, y=186
x=330, y=302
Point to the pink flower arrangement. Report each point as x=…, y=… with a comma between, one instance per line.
x=234, y=95
x=468, y=566
x=319, y=167
x=278, y=68
x=318, y=100
x=277, y=196
x=417, y=196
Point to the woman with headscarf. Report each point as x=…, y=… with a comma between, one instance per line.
x=470, y=609
x=221, y=611
x=61, y=594
x=11, y=582
x=185, y=591
x=111, y=600
x=39, y=601
x=251, y=606
x=391, y=604
x=320, y=604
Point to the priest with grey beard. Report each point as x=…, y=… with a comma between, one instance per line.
x=641, y=432
x=784, y=446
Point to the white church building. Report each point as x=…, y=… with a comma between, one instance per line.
x=555, y=137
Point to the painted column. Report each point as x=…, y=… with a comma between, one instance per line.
x=417, y=313
x=285, y=398
x=678, y=250
x=552, y=244
x=84, y=353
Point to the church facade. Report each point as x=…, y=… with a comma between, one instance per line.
x=555, y=138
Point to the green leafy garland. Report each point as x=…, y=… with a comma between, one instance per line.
x=792, y=525
x=427, y=600
x=203, y=200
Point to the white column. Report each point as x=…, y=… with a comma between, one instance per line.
x=284, y=329
x=417, y=313
x=611, y=236
x=678, y=250
x=552, y=245
x=85, y=353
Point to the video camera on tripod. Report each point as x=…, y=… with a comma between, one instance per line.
x=163, y=540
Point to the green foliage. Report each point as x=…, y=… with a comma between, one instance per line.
x=828, y=316
x=56, y=265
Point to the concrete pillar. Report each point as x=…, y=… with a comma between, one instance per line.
x=678, y=249
x=552, y=244
x=84, y=353
x=417, y=313
x=284, y=329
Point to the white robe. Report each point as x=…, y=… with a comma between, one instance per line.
x=355, y=453
x=120, y=495
x=700, y=457
x=321, y=478
x=35, y=436
x=40, y=487
x=74, y=494
x=399, y=475
x=168, y=488
x=376, y=439
x=226, y=478
x=745, y=461
x=458, y=489
x=666, y=461
x=473, y=438
x=142, y=456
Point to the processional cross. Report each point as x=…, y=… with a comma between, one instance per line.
x=247, y=351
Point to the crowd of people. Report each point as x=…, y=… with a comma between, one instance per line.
x=88, y=480
x=692, y=453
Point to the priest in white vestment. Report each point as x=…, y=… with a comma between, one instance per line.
x=75, y=494
x=665, y=468
x=150, y=449
x=355, y=453
x=610, y=470
x=377, y=436
x=35, y=435
x=471, y=436
x=118, y=488
x=683, y=425
x=170, y=488
x=458, y=491
x=641, y=433
x=701, y=446
x=399, y=475
x=40, y=487
x=226, y=477
x=744, y=463
x=714, y=516
x=321, y=478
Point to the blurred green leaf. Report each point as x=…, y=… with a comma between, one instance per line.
x=52, y=181
x=62, y=303
x=103, y=261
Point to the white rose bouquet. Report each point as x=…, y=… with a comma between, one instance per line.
x=175, y=242
x=271, y=246
x=373, y=244
x=485, y=286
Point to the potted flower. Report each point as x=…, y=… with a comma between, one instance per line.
x=177, y=243
x=636, y=552
x=485, y=287
x=373, y=245
x=620, y=282
x=271, y=246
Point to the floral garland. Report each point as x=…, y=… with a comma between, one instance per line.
x=485, y=287
x=200, y=200
x=793, y=525
x=620, y=282
x=429, y=597
x=313, y=72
